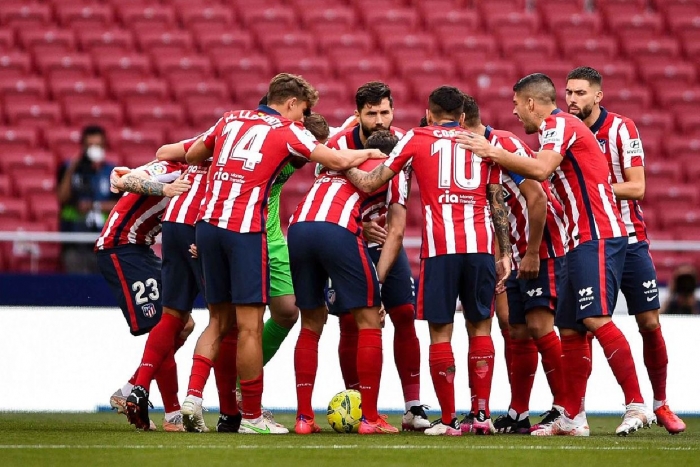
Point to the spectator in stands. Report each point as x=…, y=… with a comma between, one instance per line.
x=681, y=299
x=85, y=198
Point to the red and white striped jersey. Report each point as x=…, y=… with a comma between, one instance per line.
x=619, y=139
x=581, y=183
x=554, y=238
x=396, y=191
x=453, y=190
x=333, y=198
x=137, y=218
x=184, y=208
x=250, y=148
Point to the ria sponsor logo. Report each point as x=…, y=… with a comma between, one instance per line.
x=453, y=198
x=228, y=177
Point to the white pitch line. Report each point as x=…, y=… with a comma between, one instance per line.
x=465, y=447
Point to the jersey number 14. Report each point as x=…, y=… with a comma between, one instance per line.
x=247, y=148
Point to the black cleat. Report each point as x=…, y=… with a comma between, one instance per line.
x=550, y=417
x=507, y=424
x=229, y=423
x=137, y=408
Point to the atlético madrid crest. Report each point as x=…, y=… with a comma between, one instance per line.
x=149, y=310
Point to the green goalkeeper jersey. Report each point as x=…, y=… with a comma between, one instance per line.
x=274, y=228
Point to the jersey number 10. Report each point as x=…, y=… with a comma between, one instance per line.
x=247, y=148
x=454, y=166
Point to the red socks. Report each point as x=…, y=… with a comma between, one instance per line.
x=576, y=367
x=523, y=369
x=617, y=351
x=199, y=375
x=347, y=350
x=549, y=346
x=161, y=342
x=442, y=371
x=225, y=373
x=251, y=397
x=656, y=361
x=305, y=367
x=481, y=356
x=369, y=370
x=507, y=353
x=167, y=382
x=406, y=351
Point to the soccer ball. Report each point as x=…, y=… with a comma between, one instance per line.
x=345, y=411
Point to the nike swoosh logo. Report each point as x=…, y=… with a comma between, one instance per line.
x=548, y=372
x=586, y=305
x=651, y=298
x=259, y=430
x=613, y=354
x=414, y=375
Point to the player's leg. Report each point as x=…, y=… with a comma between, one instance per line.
x=347, y=342
x=283, y=309
x=398, y=298
x=604, y=262
x=501, y=307
x=309, y=278
x=642, y=295
x=438, y=288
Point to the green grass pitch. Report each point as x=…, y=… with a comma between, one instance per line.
x=98, y=439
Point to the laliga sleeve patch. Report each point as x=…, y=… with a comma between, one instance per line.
x=633, y=147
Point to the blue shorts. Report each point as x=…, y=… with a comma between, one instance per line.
x=397, y=290
x=181, y=274
x=591, y=281
x=133, y=274
x=541, y=292
x=471, y=277
x=235, y=265
x=639, y=280
x=322, y=250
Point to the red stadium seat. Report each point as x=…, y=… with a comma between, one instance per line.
x=286, y=44
x=105, y=113
x=48, y=40
x=14, y=64
x=556, y=70
x=469, y=48
x=325, y=20
x=683, y=100
x=209, y=88
x=644, y=25
x=690, y=125
x=491, y=73
x=409, y=45
x=670, y=195
x=677, y=7
x=682, y=24
x=616, y=8
x=674, y=218
x=313, y=69
x=683, y=147
x=564, y=24
x=137, y=159
x=65, y=65
x=128, y=140
x=633, y=99
x=30, y=89
x=545, y=7
x=390, y=21
x=28, y=182
x=182, y=133
x=509, y=23
x=617, y=74
x=143, y=18
x=668, y=75
x=350, y=46
x=216, y=44
x=666, y=170
x=106, y=42
x=590, y=50
x=528, y=49
x=206, y=116
x=44, y=208
x=25, y=256
x=160, y=116
x=499, y=100
x=39, y=114
x=29, y=160
x=123, y=66
x=27, y=15
x=367, y=69
x=263, y=19
x=195, y=17
x=91, y=16
x=450, y=22
x=333, y=91
x=7, y=40
x=243, y=69
x=13, y=209
x=85, y=90
x=5, y=185
x=18, y=139
x=165, y=43
x=63, y=142
x=191, y=68
x=149, y=90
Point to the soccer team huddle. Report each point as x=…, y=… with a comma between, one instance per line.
x=539, y=238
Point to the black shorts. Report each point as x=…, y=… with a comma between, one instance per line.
x=133, y=274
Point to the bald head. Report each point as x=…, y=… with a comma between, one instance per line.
x=538, y=87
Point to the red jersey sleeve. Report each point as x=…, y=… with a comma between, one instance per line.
x=402, y=154
x=301, y=142
x=629, y=145
x=399, y=188
x=494, y=174
x=556, y=135
x=164, y=171
x=209, y=136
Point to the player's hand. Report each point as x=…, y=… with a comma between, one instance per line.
x=529, y=266
x=115, y=177
x=476, y=144
x=503, y=266
x=193, y=251
x=373, y=231
x=177, y=187
x=375, y=154
x=382, y=315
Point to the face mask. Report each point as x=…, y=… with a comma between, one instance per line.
x=96, y=153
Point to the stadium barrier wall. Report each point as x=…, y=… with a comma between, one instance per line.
x=73, y=359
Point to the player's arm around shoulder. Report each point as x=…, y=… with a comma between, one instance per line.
x=145, y=180
x=343, y=159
